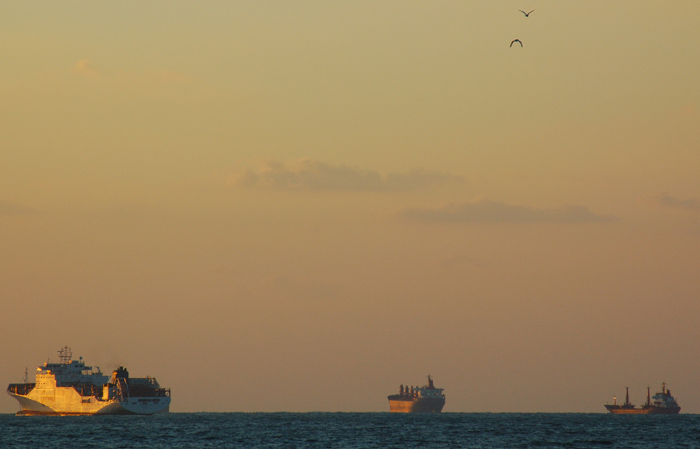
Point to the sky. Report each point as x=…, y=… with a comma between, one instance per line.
x=299, y=206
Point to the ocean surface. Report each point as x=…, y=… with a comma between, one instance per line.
x=351, y=430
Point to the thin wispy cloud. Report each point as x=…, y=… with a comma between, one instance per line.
x=84, y=67
x=460, y=261
x=315, y=176
x=167, y=76
x=10, y=208
x=485, y=211
x=671, y=202
x=304, y=289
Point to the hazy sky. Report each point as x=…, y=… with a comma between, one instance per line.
x=301, y=205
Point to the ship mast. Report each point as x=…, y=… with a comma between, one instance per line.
x=65, y=354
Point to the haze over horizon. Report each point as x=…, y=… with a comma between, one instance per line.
x=299, y=206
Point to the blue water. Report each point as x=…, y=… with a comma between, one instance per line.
x=351, y=430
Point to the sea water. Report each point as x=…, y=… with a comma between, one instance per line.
x=351, y=430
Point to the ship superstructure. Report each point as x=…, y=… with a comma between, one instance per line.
x=662, y=403
x=70, y=387
x=425, y=399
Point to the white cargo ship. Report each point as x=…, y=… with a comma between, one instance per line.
x=70, y=387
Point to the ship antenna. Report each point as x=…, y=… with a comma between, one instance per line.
x=26, y=375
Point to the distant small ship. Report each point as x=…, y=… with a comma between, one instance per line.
x=663, y=404
x=425, y=399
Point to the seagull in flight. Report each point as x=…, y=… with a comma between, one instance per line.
x=527, y=14
x=514, y=41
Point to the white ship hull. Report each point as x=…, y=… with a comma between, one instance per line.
x=67, y=401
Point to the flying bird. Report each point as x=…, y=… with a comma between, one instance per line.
x=527, y=14
x=514, y=41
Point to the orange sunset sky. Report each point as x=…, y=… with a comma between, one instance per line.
x=299, y=205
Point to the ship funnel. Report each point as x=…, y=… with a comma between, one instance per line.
x=120, y=373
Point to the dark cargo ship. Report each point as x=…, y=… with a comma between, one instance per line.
x=663, y=404
x=425, y=399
